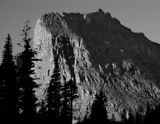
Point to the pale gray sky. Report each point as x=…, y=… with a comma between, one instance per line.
x=139, y=15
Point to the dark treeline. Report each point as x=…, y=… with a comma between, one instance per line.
x=18, y=103
x=99, y=114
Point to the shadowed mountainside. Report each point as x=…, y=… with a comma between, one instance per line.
x=99, y=54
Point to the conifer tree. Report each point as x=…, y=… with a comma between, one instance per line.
x=152, y=115
x=42, y=114
x=66, y=111
x=8, y=84
x=98, y=111
x=27, y=99
x=131, y=119
x=69, y=94
x=54, y=94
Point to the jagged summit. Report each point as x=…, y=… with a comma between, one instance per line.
x=99, y=54
x=60, y=20
x=101, y=31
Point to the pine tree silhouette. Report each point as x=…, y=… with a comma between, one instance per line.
x=69, y=94
x=27, y=99
x=152, y=116
x=138, y=118
x=98, y=110
x=8, y=84
x=42, y=115
x=131, y=119
x=147, y=114
x=123, y=116
x=54, y=95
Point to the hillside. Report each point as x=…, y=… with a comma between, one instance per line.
x=99, y=54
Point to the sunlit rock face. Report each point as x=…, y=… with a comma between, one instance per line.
x=99, y=54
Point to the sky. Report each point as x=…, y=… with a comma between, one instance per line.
x=139, y=15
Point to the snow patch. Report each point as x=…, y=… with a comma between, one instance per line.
x=121, y=50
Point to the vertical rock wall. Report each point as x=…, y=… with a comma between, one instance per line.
x=82, y=57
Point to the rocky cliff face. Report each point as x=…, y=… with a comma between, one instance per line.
x=99, y=54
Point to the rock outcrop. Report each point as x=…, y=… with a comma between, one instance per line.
x=99, y=54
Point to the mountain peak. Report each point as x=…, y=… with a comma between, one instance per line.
x=99, y=54
x=59, y=21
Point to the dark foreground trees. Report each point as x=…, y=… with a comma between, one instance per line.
x=17, y=97
x=26, y=85
x=153, y=115
x=69, y=93
x=98, y=111
x=18, y=101
x=60, y=96
x=54, y=95
x=8, y=84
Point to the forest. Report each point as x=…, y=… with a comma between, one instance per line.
x=18, y=103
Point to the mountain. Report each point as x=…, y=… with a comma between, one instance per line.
x=99, y=54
